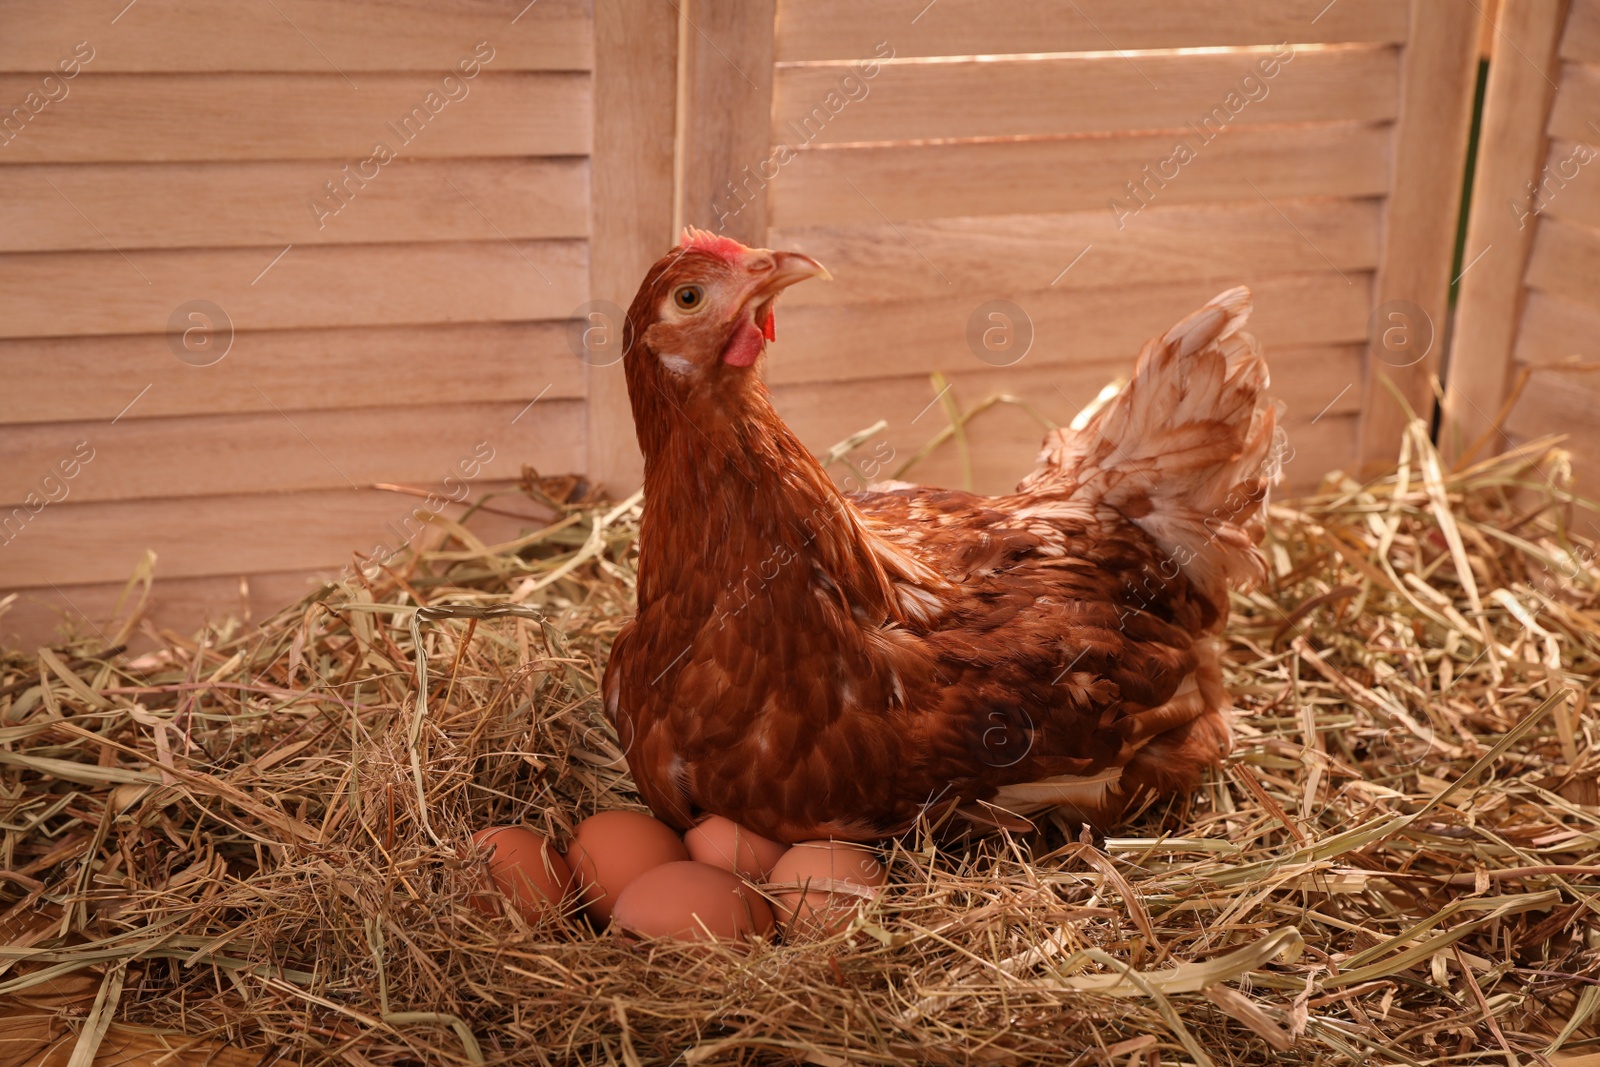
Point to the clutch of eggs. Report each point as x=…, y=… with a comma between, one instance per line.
x=631, y=870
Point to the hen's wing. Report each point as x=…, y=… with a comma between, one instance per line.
x=1061, y=657
x=1078, y=641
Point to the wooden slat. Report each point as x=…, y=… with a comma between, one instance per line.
x=831, y=186
x=41, y=616
x=231, y=205
x=848, y=29
x=1511, y=150
x=183, y=605
x=280, y=452
x=155, y=118
x=1438, y=86
x=1019, y=253
x=1311, y=382
x=69, y=378
x=1556, y=401
x=1572, y=187
x=200, y=536
x=1317, y=449
x=1583, y=448
x=317, y=36
x=831, y=104
x=635, y=90
x=726, y=109
x=346, y=285
x=1554, y=330
x=1005, y=439
x=1582, y=40
x=1573, y=117
x=1566, y=262
x=835, y=344
x=1564, y=402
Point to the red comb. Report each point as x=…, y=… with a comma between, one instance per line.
x=712, y=244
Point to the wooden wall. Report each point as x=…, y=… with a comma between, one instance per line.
x=1532, y=304
x=1104, y=166
x=388, y=332
x=941, y=156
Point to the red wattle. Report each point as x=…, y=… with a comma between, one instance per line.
x=769, y=329
x=744, y=346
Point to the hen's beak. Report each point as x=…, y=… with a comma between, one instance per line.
x=791, y=267
x=772, y=273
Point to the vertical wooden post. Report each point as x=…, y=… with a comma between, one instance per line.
x=1439, y=75
x=1511, y=153
x=727, y=116
x=630, y=200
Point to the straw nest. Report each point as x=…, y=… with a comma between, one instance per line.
x=254, y=846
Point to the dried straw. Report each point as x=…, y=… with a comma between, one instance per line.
x=253, y=846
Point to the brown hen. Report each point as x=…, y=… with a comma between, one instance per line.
x=811, y=663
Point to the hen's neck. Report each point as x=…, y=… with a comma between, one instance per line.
x=733, y=500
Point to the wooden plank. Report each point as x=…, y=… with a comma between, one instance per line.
x=1557, y=401
x=1564, y=402
x=838, y=103
x=1555, y=330
x=316, y=36
x=154, y=118
x=1568, y=187
x=43, y=616
x=726, y=110
x=1312, y=383
x=1582, y=40
x=635, y=93
x=1511, y=150
x=89, y=544
x=1438, y=84
x=852, y=343
x=1317, y=450
x=277, y=451
x=1573, y=117
x=342, y=285
x=1020, y=253
x=84, y=378
x=832, y=186
x=231, y=205
x=1583, y=450
x=1487, y=35
x=1005, y=439
x=1566, y=262
x=810, y=30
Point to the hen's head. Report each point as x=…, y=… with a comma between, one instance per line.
x=704, y=313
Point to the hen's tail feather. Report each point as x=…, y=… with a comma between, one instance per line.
x=1185, y=452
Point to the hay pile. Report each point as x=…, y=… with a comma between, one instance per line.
x=257, y=842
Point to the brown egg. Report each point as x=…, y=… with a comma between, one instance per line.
x=692, y=902
x=819, y=885
x=724, y=843
x=526, y=868
x=611, y=849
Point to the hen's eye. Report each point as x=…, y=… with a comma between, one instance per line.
x=689, y=297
